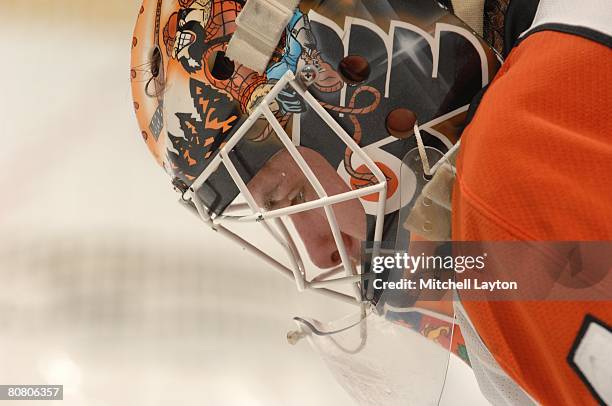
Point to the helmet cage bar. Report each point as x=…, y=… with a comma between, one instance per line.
x=297, y=271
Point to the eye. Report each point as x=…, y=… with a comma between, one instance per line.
x=269, y=204
x=291, y=199
x=298, y=198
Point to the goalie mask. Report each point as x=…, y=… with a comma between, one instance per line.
x=302, y=132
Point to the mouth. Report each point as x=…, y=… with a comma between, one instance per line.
x=184, y=40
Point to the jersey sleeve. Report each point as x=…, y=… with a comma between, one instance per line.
x=535, y=164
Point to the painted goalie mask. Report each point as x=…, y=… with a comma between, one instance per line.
x=310, y=148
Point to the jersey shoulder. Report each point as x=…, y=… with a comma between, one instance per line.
x=532, y=166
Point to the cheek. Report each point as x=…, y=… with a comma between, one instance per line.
x=350, y=215
x=311, y=225
x=351, y=218
x=315, y=232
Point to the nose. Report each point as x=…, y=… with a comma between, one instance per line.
x=326, y=253
x=316, y=234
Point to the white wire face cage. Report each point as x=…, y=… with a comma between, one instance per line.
x=274, y=221
x=347, y=287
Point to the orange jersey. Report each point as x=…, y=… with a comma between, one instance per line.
x=536, y=164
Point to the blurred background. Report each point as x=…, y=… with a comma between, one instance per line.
x=107, y=285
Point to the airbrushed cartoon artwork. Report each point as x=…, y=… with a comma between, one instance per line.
x=379, y=69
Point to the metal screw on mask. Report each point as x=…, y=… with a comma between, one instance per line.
x=308, y=75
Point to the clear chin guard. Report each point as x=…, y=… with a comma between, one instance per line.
x=387, y=359
x=396, y=352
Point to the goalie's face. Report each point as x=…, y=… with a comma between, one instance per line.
x=281, y=183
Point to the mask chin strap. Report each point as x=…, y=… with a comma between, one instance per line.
x=307, y=328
